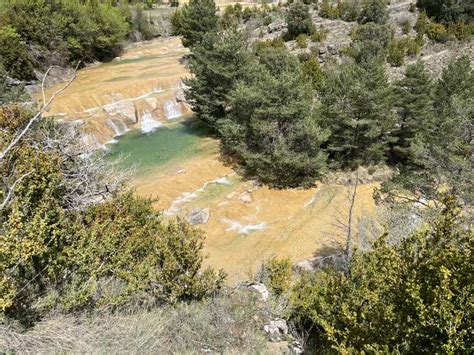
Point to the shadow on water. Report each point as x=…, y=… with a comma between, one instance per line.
x=170, y=142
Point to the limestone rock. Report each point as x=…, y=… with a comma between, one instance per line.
x=198, y=216
x=261, y=289
x=296, y=347
x=276, y=329
x=245, y=197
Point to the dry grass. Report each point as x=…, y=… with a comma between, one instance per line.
x=226, y=324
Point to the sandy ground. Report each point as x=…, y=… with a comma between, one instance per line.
x=249, y=223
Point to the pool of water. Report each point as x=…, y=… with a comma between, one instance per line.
x=168, y=143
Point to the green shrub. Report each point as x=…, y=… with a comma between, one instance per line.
x=396, y=53
x=73, y=29
x=374, y=11
x=277, y=275
x=406, y=26
x=409, y=298
x=299, y=20
x=319, y=35
x=437, y=32
x=15, y=56
x=267, y=20
x=302, y=40
x=109, y=254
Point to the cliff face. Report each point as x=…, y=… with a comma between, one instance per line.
x=141, y=89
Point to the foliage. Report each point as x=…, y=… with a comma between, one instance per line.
x=319, y=35
x=356, y=108
x=58, y=255
x=10, y=92
x=374, y=11
x=396, y=53
x=277, y=274
x=299, y=20
x=72, y=29
x=442, y=151
x=414, y=297
x=217, y=64
x=437, y=32
x=158, y=262
x=302, y=40
x=370, y=42
x=414, y=103
x=141, y=24
x=312, y=72
x=15, y=56
x=194, y=20
x=448, y=11
x=271, y=126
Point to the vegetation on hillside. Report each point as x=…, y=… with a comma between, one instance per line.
x=75, y=241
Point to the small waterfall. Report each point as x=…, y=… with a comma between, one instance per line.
x=118, y=127
x=172, y=109
x=148, y=124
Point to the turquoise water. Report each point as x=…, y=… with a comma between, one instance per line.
x=146, y=151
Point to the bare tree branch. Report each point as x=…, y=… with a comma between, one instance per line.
x=39, y=113
x=10, y=190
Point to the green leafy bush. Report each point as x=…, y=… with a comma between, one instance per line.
x=70, y=28
x=374, y=11
x=277, y=275
x=299, y=20
x=15, y=56
x=411, y=298
x=437, y=32
x=108, y=254
x=302, y=40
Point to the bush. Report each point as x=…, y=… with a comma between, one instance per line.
x=319, y=35
x=277, y=275
x=302, y=40
x=447, y=12
x=409, y=298
x=374, y=11
x=15, y=55
x=370, y=41
x=299, y=20
x=437, y=32
x=396, y=53
x=70, y=28
x=60, y=250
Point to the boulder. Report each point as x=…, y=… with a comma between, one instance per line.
x=322, y=50
x=198, y=216
x=296, y=347
x=332, y=49
x=276, y=330
x=258, y=288
x=245, y=197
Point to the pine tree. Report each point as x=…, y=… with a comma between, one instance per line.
x=272, y=128
x=194, y=20
x=357, y=109
x=217, y=64
x=414, y=103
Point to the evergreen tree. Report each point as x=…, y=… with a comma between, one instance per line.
x=299, y=20
x=194, y=20
x=357, y=109
x=217, y=64
x=442, y=151
x=414, y=103
x=272, y=128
